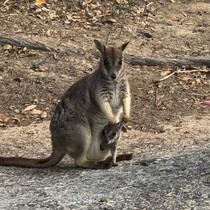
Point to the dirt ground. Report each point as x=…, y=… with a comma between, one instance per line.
x=167, y=117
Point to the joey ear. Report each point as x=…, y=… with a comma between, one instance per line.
x=121, y=126
x=123, y=46
x=101, y=47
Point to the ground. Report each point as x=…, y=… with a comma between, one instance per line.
x=168, y=117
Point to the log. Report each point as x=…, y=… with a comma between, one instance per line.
x=37, y=46
x=149, y=61
x=131, y=59
x=24, y=43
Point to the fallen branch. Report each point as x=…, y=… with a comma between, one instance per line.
x=38, y=46
x=24, y=43
x=132, y=60
x=191, y=61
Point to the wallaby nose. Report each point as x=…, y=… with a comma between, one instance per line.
x=113, y=76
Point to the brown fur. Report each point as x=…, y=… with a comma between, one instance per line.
x=79, y=118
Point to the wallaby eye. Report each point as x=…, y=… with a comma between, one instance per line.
x=120, y=62
x=106, y=62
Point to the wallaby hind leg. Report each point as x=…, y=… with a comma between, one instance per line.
x=114, y=155
x=113, y=148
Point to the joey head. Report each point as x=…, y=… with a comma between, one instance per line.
x=110, y=136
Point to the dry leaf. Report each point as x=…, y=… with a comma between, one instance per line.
x=43, y=115
x=35, y=112
x=4, y=118
x=14, y=120
x=121, y=1
x=111, y=20
x=40, y=2
x=48, y=32
x=30, y=107
x=186, y=78
x=17, y=111
x=7, y=47
x=33, y=54
x=53, y=15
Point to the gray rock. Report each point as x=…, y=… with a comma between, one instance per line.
x=170, y=182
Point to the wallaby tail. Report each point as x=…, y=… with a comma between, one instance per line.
x=55, y=158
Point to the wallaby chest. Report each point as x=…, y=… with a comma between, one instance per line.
x=113, y=94
x=116, y=98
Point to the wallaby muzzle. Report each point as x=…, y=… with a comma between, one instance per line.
x=113, y=76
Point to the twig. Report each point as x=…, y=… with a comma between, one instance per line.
x=191, y=71
x=166, y=77
x=156, y=97
x=60, y=37
x=107, y=38
x=6, y=2
x=182, y=72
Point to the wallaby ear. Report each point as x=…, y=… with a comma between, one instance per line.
x=101, y=47
x=122, y=47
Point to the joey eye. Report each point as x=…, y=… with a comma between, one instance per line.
x=106, y=62
x=113, y=134
x=120, y=62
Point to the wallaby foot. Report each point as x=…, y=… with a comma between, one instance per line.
x=106, y=164
x=119, y=158
x=123, y=157
x=115, y=164
x=94, y=165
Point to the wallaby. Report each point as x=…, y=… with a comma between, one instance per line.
x=110, y=136
x=84, y=110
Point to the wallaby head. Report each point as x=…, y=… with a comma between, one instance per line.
x=111, y=60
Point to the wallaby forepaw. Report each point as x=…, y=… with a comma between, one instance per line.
x=125, y=119
x=112, y=121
